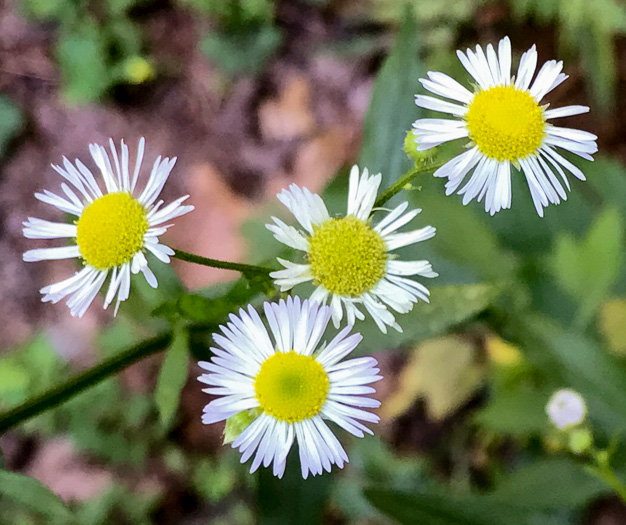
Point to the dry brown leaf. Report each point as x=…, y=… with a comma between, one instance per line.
x=443, y=371
x=318, y=160
x=59, y=466
x=212, y=229
x=289, y=116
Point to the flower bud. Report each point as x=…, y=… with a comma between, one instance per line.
x=566, y=409
x=410, y=148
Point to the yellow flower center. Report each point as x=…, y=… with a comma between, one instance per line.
x=111, y=230
x=291, y=387
x=347, y=256
x=505, y=123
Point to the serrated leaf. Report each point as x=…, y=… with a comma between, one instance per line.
x=211, y=305
x=391, y=110
x=172, y=377
x=199, y=308
x=34, y=495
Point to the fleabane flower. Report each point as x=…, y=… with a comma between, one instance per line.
x=506, y=125
x=113, y=227
x=289, y=385
x=566, y=409
x=349, y=259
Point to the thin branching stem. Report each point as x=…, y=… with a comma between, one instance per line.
x=216, y=263
x=399, y=185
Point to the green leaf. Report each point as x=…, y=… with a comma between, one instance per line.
x=518, y=413
x=463, y=235
x=199, y=308
x=82, y=58
x=14, y=381
x=607, y=177
x=449, y=306
x=120, y=7
x=241, y=52
x=588, y=269
x=442, y=509
x=391, y=110
x=33, y=494
x=212, y=305
x=549, y=483
x=11, y=122
x=172, y=377
x=523, y=231
x=59, y=10
x=292, y=499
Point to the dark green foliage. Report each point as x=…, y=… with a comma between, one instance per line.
x=101, y=39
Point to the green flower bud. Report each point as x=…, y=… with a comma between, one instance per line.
x=410, y=148
x=580, y=440
x=236, y=424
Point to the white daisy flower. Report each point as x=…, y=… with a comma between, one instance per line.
x=292, y=382
x=505, y=125
x=113, y=228
x=348, y=257
x=566, y=409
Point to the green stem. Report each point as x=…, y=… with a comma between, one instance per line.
x=225, y=265
x=404, y=180
x=59, y=394
x=603, y=471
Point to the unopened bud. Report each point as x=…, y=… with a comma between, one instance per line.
x=410, y=148
x=580, y=440
x=236, y=424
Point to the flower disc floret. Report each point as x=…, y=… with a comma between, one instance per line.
x=291, y=387
x=111, y=230
x=347, y=256
x=505, y=123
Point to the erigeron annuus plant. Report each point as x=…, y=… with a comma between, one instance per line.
x=276, y=377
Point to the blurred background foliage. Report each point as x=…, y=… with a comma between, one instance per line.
x=522, y=305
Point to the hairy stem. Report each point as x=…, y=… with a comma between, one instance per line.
x=59, y=394
x=215, y=263
x=404, y=180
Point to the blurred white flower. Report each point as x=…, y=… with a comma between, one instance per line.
x=566, y=409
